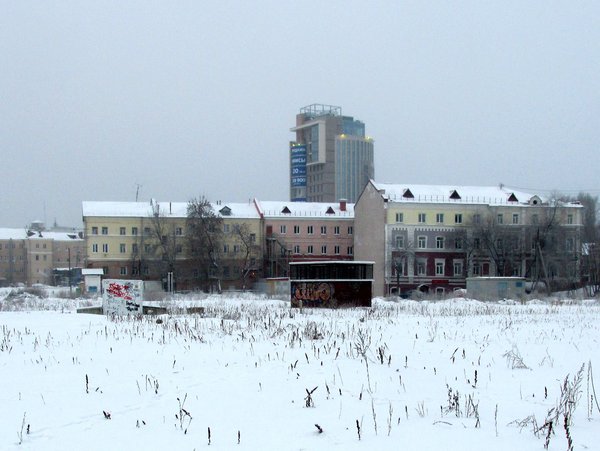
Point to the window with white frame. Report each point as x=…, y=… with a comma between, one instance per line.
x=476, y=269
x=105, y=248
x=439, y=268
x=296, y=248
x=476, y=218
x=336, y=250
x=439, y=218
x=104, y=230
x=422, y=242
x=296, y=229
x=309, y=249
x=458, y=268
x=500, y=218
x=323, y=230
x=309, y=230
x=458, y=243
x=422, y=218
x=399, y=241
x=421, y=268
x=458, y=218
x=122, y=231
x=336, y=230
x=323, y=249
x=515, y=218
x=178, y=231
x=94, y=230
x=95, y=247
x=122, y=248
x=570, y=244
x=123, y=270
x=350, y=250
x=399, y=217
x=569, y=219
x=283, y=229
x=439, y=242
x=134, y=230
x=350, y=230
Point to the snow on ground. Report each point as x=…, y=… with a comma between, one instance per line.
x=455, y=375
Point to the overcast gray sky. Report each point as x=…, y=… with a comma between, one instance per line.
x=197, y=98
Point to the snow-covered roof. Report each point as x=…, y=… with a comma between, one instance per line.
x=22, y=234
x=488, y=195
x=165, y=209
x=272, y=209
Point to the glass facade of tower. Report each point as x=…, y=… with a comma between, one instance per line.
x=338, y=156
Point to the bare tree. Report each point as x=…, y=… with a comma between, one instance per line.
x=205, y=240
x=248, y=247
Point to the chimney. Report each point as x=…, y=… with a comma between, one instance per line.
x=342, y=204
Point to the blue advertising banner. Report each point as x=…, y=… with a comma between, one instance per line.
x=298, y=165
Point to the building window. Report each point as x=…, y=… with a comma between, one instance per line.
x=104, y=230
x=134, y=231
x=399, y=217
x=399, y=241
x=422, y=218
x=439, y=242
x=179, y=249
x=179, y=231
x=458, y=243
x=323, y=249
x=147, y=249
x=253, y=237
x=476, y=218
x=500, y=218
x=123, y=270
x=569, y=219
x=439, y=218
x=105, y=248
x=283, y=229
x=458, y=218
x=422, y=242
x=476, y=243
x=350, y=250
x=146, y=231
x=350, y=230
x=499, y=243
x=135, y=270
x=420, y=268
x=535, y=219
x=570, y=245
x=134, y=248
x=121, y=230
x=336, y=250
x=439, y=268
x=323, y=230
x=476, y=269
x=297, y=229
x=122, y=248
x=336, y=230
x=225, y=248
x=309, y=230
x=515, y=218
x=458, y=268
x=309, y=249
x=296, y=248
x=94, y=230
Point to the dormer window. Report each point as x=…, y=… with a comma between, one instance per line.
x=330, y=211
x=225, y=211
x=512, y=198
x=535, y=200
x=408, y=194
x=286, y=211
x=454, y=195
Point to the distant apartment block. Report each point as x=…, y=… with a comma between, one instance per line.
x=331, y=157
x=29, y=256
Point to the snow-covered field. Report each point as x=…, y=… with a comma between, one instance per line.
x=253, y=374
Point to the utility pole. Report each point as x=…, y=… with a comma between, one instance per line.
x=69, y=260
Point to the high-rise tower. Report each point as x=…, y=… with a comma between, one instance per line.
x=331, y=158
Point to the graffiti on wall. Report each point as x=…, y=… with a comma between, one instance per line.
x=312, y=293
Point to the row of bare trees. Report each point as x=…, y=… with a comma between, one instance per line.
x=194, y=251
